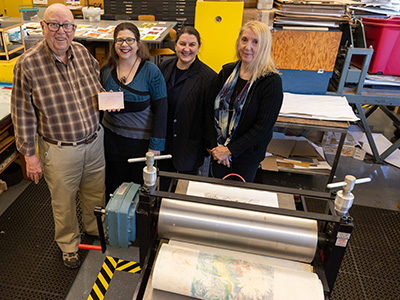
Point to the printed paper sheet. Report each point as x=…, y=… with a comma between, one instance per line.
x=234, y=194
x=205, y=275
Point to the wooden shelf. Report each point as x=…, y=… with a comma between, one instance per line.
x=10, y=162
x=11, y=48
x=7, y=140
x=6, y=49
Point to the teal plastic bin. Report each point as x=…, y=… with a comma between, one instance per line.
x=28, y=11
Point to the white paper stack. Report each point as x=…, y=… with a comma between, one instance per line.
x=320, y=107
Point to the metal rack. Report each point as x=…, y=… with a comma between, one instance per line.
x=357, y=94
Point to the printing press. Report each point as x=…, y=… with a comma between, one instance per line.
x=220, y=246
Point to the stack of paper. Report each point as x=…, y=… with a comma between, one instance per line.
x=5, y=101
x=320, y=107
x=376, y=7
x=326, y=14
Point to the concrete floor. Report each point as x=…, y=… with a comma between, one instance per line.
x=382, y=192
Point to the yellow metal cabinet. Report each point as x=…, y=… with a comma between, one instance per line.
x=218, y=24
x=10, y=7
x=7, y=70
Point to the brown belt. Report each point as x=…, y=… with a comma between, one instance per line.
x=87, y=140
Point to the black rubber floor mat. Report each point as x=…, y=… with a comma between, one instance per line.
x=30, y=261
x=371, y=266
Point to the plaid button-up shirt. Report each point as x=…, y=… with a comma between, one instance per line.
x=57, y=101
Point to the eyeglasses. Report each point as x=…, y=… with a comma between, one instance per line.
x=54, y=27
x=129, y=41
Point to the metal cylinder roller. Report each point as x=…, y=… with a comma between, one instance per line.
x=255, y=232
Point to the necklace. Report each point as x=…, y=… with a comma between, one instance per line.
x=124, y=79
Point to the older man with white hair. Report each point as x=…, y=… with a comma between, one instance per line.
x=54, y=103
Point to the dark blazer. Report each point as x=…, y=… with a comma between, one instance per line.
x=259, y=115
x=189, y=132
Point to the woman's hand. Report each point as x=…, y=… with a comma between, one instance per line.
x=221, y=154
x=113, y=110
x=226, y=162
x=156, y=152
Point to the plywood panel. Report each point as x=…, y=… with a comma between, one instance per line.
x=305, y=50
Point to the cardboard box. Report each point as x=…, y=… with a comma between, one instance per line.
x=262, y=15
x=265, y=4
x=359, y=153
x=351, y=147
x=250, y=3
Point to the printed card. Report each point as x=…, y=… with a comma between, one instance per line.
x=114, y=100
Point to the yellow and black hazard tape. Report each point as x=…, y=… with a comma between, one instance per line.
x=128, y=266
x=110, y=265
x=367, y=105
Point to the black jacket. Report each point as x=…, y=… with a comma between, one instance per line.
x=189, y=128
x=259, y=115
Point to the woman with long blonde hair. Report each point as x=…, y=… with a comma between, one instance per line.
x=247, y=100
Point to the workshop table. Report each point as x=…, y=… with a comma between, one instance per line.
x=107, y=23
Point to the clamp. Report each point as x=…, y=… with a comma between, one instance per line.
x=344, y=198
x=149, y=171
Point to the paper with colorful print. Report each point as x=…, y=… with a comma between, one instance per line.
x=205, y=275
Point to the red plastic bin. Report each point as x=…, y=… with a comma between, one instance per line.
x=384, y=36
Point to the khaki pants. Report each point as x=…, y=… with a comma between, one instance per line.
x=69, y=170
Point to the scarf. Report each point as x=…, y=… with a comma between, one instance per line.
x=226, y=132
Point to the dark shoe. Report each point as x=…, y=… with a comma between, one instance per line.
x=71, y=260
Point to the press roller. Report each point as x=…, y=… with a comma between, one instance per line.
x=250, y=231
